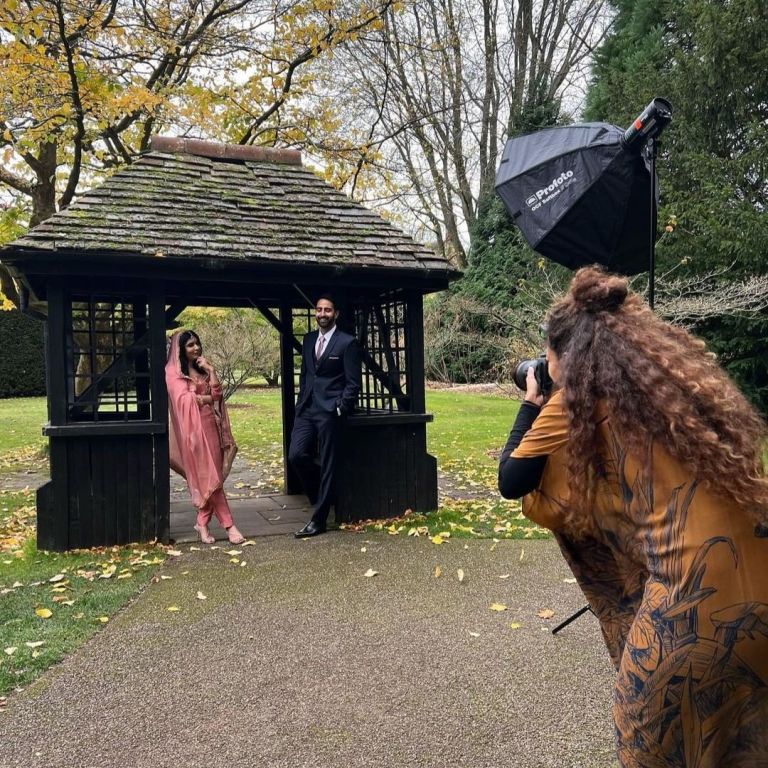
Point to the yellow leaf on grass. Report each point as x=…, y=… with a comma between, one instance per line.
x=437, y=539
x=58, y=589
x=438, y=571
x=57, y=577
x=44, y=613
x=103, y=619
x=460, y=574
x=201, y=596
x=545, y=613
x=174, y=608
x=370, y=572
x=10, y=650
x=234, y=559
x=125, y=575
x=498, y=607
x=34, y=643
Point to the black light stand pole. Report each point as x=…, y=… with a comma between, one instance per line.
x=652, y=150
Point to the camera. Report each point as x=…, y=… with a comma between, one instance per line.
x=540, y=372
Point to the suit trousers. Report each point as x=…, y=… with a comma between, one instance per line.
x=317, y=429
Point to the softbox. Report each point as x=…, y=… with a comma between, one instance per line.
x=579, y=196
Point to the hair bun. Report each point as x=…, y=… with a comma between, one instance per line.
x=594, y=290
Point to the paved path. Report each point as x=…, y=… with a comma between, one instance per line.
x=299, y=660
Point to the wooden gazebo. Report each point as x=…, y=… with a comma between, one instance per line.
x=194, y=223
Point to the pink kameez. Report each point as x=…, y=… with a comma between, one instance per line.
x=200, y=439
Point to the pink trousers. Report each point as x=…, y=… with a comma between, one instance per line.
x=217, y=505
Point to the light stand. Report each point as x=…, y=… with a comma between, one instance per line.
x=643, y=133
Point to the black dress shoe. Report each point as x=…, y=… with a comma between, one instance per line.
x=310, y=529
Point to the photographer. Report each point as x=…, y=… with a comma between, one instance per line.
x=646, y=463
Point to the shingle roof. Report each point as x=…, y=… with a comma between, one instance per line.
x=195, y=199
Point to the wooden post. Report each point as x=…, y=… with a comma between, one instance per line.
x=414, y=342
x=159, y=397
x=287, y=388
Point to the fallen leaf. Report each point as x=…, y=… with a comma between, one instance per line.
x=460, y=574
x=474, y=634
x=250, y=542
x=164, y=577
x=194, y=549
x=438, y=571
x=234, y=559
x=243, y=564
x=370, y=572
x=34, y=643
x=514, y=625
x=498, y=607
x=504, y=576
x=545, y=613
x=44, y=613
x=200, y=595
x=522, y=555
x=103, y=619
x=174, y=552
x=11, y=649
x=570, y=581
x=437, y=539
x=234, y=552
x=67, y=602
x=363, y=549
x=35, y=654
x=125, y=575
x=174, y=608
x=57, y=577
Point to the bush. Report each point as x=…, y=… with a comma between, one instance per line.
x=22, y=373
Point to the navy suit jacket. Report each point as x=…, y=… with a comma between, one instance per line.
x=333, y=381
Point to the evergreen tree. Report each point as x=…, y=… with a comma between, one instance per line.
x=709, y=59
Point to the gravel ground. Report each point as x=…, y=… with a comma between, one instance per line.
x=300, y=660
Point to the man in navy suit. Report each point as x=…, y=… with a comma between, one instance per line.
x=328, y=388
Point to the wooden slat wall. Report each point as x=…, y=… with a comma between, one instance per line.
x=384, y=470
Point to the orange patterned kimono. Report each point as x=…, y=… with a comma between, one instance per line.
x=678, y=578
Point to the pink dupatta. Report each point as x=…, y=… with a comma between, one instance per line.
x=203, y=465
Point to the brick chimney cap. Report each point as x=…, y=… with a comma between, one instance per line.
x=178, y=145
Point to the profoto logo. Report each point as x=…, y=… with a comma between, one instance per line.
x=550, y=192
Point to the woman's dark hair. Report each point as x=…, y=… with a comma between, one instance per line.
x=183, y=339
x=657, y=383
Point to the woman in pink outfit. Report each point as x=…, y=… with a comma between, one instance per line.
x=200, y=436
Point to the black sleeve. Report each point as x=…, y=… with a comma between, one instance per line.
x=517, y=477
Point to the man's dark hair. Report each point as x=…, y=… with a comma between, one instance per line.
x=328, y=297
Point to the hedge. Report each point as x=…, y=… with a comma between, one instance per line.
x=22, y=371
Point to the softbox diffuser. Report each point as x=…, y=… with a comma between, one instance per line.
x=579, y=197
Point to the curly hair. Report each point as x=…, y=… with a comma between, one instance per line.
x=659, y=384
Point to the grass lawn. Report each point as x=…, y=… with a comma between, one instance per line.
x=51, y=603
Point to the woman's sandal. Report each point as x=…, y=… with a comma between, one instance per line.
x=205, y=534
x=234, y=536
